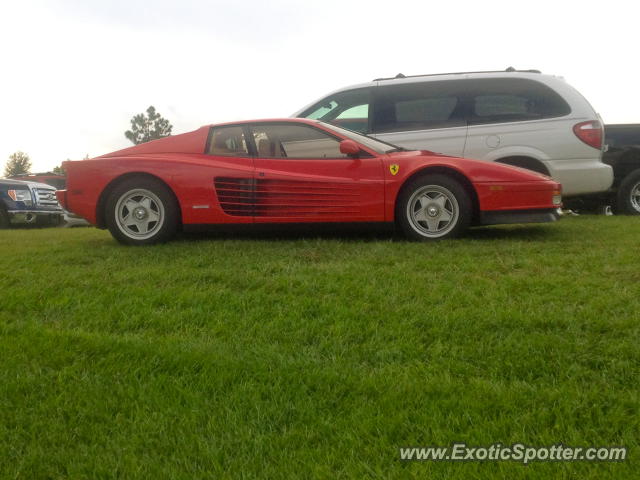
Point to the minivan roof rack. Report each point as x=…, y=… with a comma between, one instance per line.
x=400, y=75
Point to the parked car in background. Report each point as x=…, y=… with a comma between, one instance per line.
x=59, y=182
x=623, y=154
x=28, y=203
x=56, y=180
x=520, y=118
x=296, y=171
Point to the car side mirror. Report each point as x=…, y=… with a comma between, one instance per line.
x=349, y=147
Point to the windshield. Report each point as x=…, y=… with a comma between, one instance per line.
x=374, y=144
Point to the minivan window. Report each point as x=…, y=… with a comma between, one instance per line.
x=497, y=100
x=418, y=106
x=345, y=109
x=373, y=143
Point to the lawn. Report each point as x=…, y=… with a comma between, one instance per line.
x=317, y=357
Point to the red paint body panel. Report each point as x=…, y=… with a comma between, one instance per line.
x=190, y=142
x=313, y=190
x=222, y=190
x=516, y=184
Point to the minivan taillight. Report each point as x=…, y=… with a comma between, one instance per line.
x=590, y=133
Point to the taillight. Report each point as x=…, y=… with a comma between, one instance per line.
x=590, y=133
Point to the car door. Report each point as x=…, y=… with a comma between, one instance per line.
x=301, y=176
x=421, y=115
x=513, y=117
x=225, y=174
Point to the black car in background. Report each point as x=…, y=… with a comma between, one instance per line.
x=623, y=154
x=28, y=203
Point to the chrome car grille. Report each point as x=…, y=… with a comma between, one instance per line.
x=46, y=197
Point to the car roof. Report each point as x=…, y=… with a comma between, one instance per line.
x=41, y=174
x=435, y=77
x=508, y=70
x=193, y=141
x=622, y=125
x=266, y=120
x=11, y=181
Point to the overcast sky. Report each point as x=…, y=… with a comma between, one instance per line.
x=75, y=71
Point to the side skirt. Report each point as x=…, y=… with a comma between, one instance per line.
x=519, y=216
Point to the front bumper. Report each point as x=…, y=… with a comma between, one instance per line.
x=519, y=216
x=35, y=217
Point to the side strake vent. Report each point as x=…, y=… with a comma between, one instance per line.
x=286, y=198
x=235, y=195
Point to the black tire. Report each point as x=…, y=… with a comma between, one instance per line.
x=4, y=219
x=150, y=207
x=628, y=196
x=447, y=213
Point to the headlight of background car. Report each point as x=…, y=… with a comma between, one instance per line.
x=21, y=196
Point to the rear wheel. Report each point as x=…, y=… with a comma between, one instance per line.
x=628, y=197
x=142, y=211
x=432, y=207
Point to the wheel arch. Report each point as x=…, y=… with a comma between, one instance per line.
x=104, y=195
x=526, y=162
x=450, y=172
x=626, y=165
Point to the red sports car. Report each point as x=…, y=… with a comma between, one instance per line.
x=296, y=170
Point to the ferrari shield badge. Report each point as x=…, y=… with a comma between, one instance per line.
x=394, y=168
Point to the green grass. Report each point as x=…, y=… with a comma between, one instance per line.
x=306, y=357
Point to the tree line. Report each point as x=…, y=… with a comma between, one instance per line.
x=144, y=128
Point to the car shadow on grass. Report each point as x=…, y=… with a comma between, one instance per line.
x=361, y=233
x=532, y=233
x=354, y=233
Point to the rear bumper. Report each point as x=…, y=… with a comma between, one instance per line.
x=580, y=177
x=519, y=216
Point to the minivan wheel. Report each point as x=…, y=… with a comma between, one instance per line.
x=628, y=197
x=432, y=207
x=142, y=211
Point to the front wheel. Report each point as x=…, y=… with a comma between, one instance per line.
x=628, y=197
x=142, y=211
x=433, y=207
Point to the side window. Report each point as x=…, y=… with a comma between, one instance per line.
x=418, y=106
x=491, y=105
x=500, y=100
x=228, y=142
x=294, y=141
x=345, y=109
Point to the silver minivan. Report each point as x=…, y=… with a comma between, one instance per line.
x=521, y=118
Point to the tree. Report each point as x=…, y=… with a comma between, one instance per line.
x=148, y=127
x=17, y=164
x=58, y=170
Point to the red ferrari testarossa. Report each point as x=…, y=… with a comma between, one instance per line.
x=296, y=171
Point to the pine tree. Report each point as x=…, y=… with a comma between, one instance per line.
x=18, y=163
x=151, y=126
